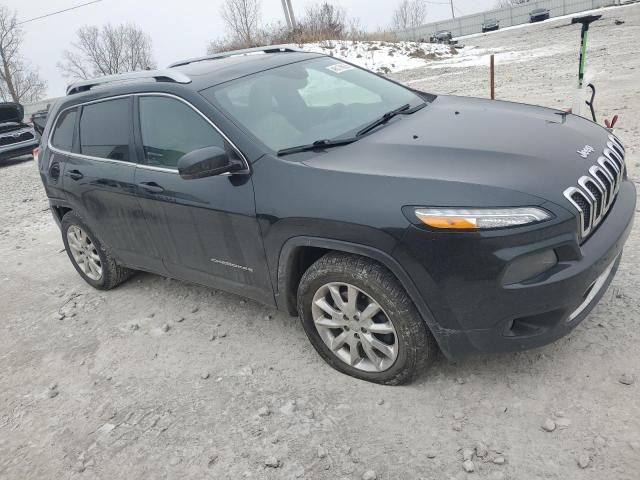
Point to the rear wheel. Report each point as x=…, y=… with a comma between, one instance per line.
x=89, y=257
x=361, y=321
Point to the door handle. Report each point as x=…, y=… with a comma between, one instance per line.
x=75, y=174
x=151, y=187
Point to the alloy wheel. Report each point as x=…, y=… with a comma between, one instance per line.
x=354, y=327
x=84, y=252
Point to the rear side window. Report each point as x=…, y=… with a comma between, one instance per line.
x=105, y=128
x=63, y=133
x=171, y=129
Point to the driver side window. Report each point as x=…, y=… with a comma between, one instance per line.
x=170, y=129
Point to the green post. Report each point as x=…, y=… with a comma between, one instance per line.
x=585, y=22
x=583, y=55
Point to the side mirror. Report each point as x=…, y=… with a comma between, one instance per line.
x=207, y=162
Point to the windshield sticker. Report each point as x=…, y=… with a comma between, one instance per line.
x=340, y=67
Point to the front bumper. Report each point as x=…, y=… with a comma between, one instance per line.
x=18, y=149
x=474, y=312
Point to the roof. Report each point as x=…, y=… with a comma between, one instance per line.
x=210, y=72
x=204, y=72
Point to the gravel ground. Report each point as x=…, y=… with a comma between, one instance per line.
x=162, y=379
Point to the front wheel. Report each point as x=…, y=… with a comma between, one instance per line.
x=361, y=321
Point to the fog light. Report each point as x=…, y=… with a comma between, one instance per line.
x=529, y=266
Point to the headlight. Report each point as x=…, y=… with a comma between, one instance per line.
x=480, y=218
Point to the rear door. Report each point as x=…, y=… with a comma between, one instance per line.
x=98, y=181
x=205, y=230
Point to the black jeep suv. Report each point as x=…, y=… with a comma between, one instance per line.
x=393, y=222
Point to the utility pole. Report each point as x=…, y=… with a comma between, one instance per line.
x=453, y=13
x=285, y=9
x=291, y=14
x=288, y=14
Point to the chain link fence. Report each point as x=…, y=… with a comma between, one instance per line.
x=507, y=17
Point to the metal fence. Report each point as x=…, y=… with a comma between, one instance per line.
x=507, y=17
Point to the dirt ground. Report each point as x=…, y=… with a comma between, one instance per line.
x=162, y=379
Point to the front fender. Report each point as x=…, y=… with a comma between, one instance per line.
x=286, y=293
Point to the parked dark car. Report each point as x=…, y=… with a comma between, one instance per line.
x=39, y=120
x=490, y=25
x=395, y=223
x=539, y=15
x=16, y=137
x=443, y=36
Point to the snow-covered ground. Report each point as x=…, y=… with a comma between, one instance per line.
x=383, y=57
x=393, y=57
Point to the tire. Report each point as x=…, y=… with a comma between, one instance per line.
x=413, y=344
x=111, y=274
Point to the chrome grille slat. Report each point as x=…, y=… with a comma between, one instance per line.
x=595, y=193
x=617, y=142
x=618, y=153
x=613, y=169
x=597, y=174
x=570, y=193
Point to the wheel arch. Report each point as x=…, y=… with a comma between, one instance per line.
x=59, y=209
x=291, y=267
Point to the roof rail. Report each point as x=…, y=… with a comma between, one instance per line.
x=233, y=53
x=157, y=75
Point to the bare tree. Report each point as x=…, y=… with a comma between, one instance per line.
x=18, y=81
x=242, y=18
x=107, y=51
x=324, y=21
x=409, y=14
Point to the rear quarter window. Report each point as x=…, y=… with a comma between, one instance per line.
x=62, y=137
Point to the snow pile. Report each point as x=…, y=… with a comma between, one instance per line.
x=480, y=57
x=382, y=57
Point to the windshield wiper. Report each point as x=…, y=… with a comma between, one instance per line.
x=317, y=145
x=326, y=143
x=403, y=110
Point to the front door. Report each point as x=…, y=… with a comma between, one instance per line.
x=205, y=230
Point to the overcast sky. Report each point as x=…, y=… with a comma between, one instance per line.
x=178, y=28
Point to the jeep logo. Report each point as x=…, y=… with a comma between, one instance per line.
x=586, y=151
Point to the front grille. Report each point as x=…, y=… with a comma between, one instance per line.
x=15, y=138
x=596, y=192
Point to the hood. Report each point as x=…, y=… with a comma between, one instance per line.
x=469, y=142
x=11, y=112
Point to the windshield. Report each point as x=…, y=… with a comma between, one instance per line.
x=300, y=103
